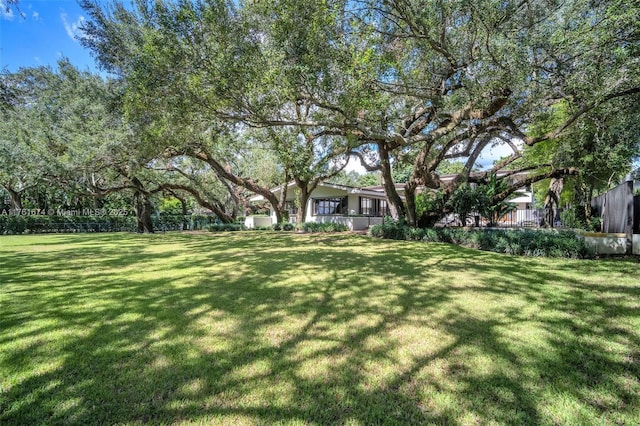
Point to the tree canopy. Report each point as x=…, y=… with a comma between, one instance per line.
x=411, y=88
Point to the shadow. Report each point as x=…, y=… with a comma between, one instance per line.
x=329, y=329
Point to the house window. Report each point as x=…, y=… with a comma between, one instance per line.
x=373, y=207
x=366, y=206
x=7, y=200
x=291, y=208
x=327, y=206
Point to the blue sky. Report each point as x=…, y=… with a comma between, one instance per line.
x=44, y=33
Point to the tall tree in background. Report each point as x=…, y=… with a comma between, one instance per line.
x=409, y=82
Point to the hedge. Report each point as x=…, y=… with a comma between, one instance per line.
x=324, y=227
x=522, y=242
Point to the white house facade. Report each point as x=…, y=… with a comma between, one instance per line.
x=360, y=208
x=357, y=208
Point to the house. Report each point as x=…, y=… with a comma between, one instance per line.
x=360, y=208
x=357, y=208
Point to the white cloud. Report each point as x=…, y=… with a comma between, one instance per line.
x=497, y=151
x=35, y=15
x=73, y=28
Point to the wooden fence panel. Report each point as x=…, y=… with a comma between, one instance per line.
x=616, y=208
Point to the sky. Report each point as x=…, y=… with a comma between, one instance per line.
x=40, y=32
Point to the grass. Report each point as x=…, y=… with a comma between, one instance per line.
x=264, y=328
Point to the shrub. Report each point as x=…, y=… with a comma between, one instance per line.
x=594, y=224
x=525, y=242
x=11, y=224
x=226, y=227
x=288, y=226
x=324, y=227
x=390, y=230
x=262, y=228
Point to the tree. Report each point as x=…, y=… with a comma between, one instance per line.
x=397, y=84
x=483, y=84
x=178, y=60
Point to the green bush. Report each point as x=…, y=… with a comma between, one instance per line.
x=527, y=242
x=11, y=224
x=547, y=243
x=324, y=227
x=284, y=226
x=262, y=228
x=288, y=226
x=594, y=224
x=390, y=230
x=226, y=227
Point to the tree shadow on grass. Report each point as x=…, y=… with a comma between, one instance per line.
x=329, y=330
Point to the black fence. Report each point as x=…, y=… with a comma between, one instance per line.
x=529, y=218
x=42, y=224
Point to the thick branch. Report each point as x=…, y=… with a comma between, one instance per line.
x=215, y=206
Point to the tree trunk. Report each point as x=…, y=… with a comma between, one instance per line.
x=410, y=198
x=15, y=197
x=303, y=201
x=396, y=206
x=552, y=202
x=143, y=208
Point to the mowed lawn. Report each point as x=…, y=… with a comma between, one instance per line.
x=264, y=328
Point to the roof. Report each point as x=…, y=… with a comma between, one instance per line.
x=376, y=190
x=368, y=191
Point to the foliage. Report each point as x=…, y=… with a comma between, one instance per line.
x=390, y=229
x=226, y=227
x=465, y=200
x=398, y=230
x=288, y=226
x=526, y=242
x=14, y=224
x=537, y=243
x=170, y=205
x=324, y=227
x=219, y=99
x=430, y=202
x=284, y=226
x=17, y=224
x=488, y=198
x=356, y=179
x=570, y=219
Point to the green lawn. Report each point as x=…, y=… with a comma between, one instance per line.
x=311, y=329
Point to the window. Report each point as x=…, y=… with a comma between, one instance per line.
x=327, y=206
x=291, y=208
x=373, y=207
x=366, y=206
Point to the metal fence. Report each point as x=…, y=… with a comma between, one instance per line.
x=521, y=218
x=18, y=224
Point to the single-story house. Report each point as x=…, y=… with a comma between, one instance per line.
x=358, y=208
